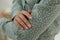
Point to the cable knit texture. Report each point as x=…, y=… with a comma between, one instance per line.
x=45, y=22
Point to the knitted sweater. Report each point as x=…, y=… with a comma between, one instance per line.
x=45, y=22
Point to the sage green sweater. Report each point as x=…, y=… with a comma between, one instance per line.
x=45, y=22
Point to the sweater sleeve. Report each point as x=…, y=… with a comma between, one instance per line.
x=2, y=21
x=7, y=25
x=44, y=13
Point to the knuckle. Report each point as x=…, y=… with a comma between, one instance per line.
x=15, y=18
x=25, y=21
x=22, y=23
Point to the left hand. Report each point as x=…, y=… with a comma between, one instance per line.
x=22, y=19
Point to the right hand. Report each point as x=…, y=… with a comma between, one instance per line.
x=21, y=19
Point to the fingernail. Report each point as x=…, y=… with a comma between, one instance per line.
x=26, y=27
x=30, y=17
x=29, y=25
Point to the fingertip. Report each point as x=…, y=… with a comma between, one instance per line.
x=29, y=11
x=30, y=17
x=29, y=26
x=26, y=27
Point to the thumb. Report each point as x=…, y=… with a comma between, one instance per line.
x=29, y=11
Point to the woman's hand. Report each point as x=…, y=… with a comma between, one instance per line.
x=22, y=19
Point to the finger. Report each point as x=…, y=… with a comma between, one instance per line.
x=25, y=20
x=21, y=22
x=29, y=11
x=27, y=14
x=20, y=26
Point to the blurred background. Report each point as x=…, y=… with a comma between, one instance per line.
x=6, y=5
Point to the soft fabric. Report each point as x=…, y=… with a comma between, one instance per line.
x=45, y=22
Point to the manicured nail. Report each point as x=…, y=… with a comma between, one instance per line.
x=29, y=25
x=26, y=27
x=30, y=17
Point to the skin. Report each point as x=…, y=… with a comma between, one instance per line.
x=21, y=19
